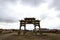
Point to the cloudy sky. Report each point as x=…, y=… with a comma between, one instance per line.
x=11, y=11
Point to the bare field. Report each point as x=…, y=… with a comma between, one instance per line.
x=29, y=36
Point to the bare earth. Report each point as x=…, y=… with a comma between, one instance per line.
x=3, y=36
x=14, y=36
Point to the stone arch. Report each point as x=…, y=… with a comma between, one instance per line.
x=29, y=21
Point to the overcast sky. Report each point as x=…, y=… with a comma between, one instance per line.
x=48, y=11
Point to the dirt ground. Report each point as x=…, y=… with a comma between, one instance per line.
x=14, y=36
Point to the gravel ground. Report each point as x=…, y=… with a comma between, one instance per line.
x=46, y=36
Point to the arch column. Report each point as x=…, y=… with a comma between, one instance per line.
x=24, y=29
x=40, y=32
x=19, y=31
x=35, y=29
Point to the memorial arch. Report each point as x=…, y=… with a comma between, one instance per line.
x=30, y=21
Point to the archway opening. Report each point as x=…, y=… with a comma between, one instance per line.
x=37, y=28
x=29, y=26
x=22, y=27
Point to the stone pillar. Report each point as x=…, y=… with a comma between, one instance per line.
x=40, y=30
x=35, y=29
x=24, y=30
x=19, y=32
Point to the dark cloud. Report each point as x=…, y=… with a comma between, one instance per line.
x=9, y=20
x=32, y=2
x=4, y=11
x=56, y=4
